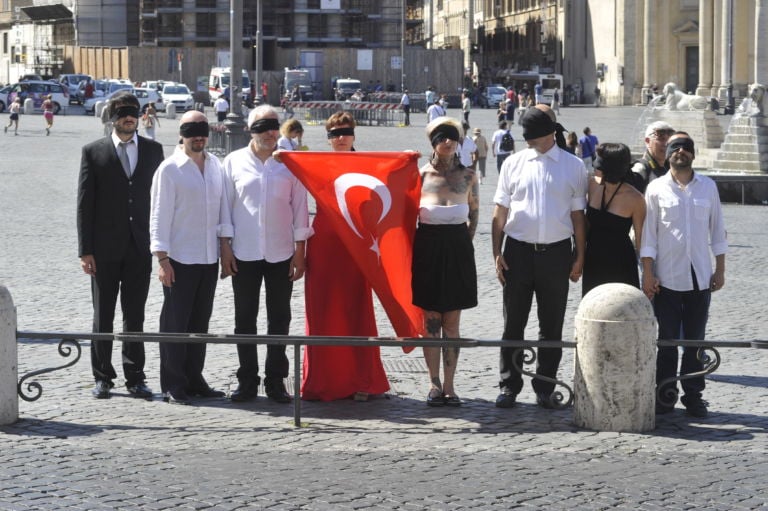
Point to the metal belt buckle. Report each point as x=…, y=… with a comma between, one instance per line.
x=539, y=247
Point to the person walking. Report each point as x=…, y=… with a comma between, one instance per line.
x=48, y=113
x=405, y=103
x=540, y=201
x=502, y=144
x=482, y=151
x=149, y=121
x=270, y=219
x=466, y=105
x=113, y=204
x=588, y=144
x=683, y=230
x=189, y=212
x=14, y=110
x=435, y=111
x=221, y=107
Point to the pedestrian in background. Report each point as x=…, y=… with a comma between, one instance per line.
x=14, y=110
x=221, y=106
x=291, y=132
x=683, y=230
x=48, y=113
x=572, y=144
x=502, y=144
x=113, y=204
x=149, y=121
x=405, y=103
x=482, y=151
x=465, y=105
x=588, y=144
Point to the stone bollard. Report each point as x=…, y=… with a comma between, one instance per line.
x=9, y=372
x=170, y=111
x=615, y=374
x=98, y=108
x=29, y=106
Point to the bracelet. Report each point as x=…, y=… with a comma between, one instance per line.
x=162, y=259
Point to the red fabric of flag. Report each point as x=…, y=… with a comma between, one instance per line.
x=374, y=197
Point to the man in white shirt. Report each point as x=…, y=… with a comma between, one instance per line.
x=467, y=149
x=268, y=208
x=465, y=105
x=188, y=214
x=540, y=201
x=405, y=102
x=435, y=111
x=221, y=106
x=683, y=224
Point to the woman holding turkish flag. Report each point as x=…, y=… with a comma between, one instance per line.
x=443, y=275
x=339, y=302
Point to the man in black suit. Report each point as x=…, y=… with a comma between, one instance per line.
x=113, y=237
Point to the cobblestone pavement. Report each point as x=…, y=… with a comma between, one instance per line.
x=69, y=451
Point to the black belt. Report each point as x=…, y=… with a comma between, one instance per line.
x=542, y=247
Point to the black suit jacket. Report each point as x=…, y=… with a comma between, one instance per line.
x=111, y=209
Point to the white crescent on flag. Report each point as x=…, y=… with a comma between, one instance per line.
x=347, y=181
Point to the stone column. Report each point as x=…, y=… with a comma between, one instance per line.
x=9, y=372
x=761, y=42
x=726, y=39
x=706, y=61
x=615, y=375
x=649, y=44
x=717, y=48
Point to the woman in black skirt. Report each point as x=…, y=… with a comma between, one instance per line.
x=444, y=275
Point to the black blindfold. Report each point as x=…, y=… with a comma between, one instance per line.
x=680, y=143
x=443, y=132
x=263, y=125
x=194, y=129
x=537, y=124
x=340, y=132
x=126, y=111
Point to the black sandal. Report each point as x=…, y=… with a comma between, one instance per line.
x=435, y=398
x=452, y=401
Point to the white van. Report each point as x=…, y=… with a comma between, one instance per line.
x=218, y=84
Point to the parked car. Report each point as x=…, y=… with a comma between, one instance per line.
x=494, y=95
x=71, y=82
x=179, y=95
x=144, y=95
x=99, y=90
x=37, y=90
x=147, y=96
x=4, y=97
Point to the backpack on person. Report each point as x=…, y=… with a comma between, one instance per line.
x=507, y=143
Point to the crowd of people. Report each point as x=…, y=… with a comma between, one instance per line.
x=565, y=209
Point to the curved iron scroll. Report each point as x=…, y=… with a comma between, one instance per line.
x=557, y=399
x=34, y=388
x=667, y=395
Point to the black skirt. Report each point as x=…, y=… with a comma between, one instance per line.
x=443, y=276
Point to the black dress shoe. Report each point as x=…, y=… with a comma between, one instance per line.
x=245, y=392
x=101, y=390
x=178, y=399
x=506, y=400
x=545, y=401
x=140, y=390
x=205, y=392
x=277, y=393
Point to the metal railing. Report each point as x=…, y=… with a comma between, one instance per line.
x=69, y=346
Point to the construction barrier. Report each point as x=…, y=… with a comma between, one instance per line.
x=364, y=113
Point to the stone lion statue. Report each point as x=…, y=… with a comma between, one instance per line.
x=675, y=99
x=759, y=99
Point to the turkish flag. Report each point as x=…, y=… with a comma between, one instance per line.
x=374, y=200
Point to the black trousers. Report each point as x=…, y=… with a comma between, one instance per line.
x=246, y=285
x=543, y=273
x=129, y=278
x=186, y=309
x=407, y=111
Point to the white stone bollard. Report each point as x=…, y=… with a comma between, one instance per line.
x=170, y=111
x=9, y=371
x=615, y=374
x=29, y=106
x=98, y=108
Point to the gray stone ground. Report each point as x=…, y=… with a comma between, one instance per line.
x=69, y=451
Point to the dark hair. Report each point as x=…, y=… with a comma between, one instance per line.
x=502, y=125
x=587, y=130
x=339, y=119
x=615, y=161
x=120, y=99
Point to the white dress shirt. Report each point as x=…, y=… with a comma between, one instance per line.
x=541, y=191
x=189, y=209
x=465, y=150
x=681, y=227
x=268, y=207
x=131, y=149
